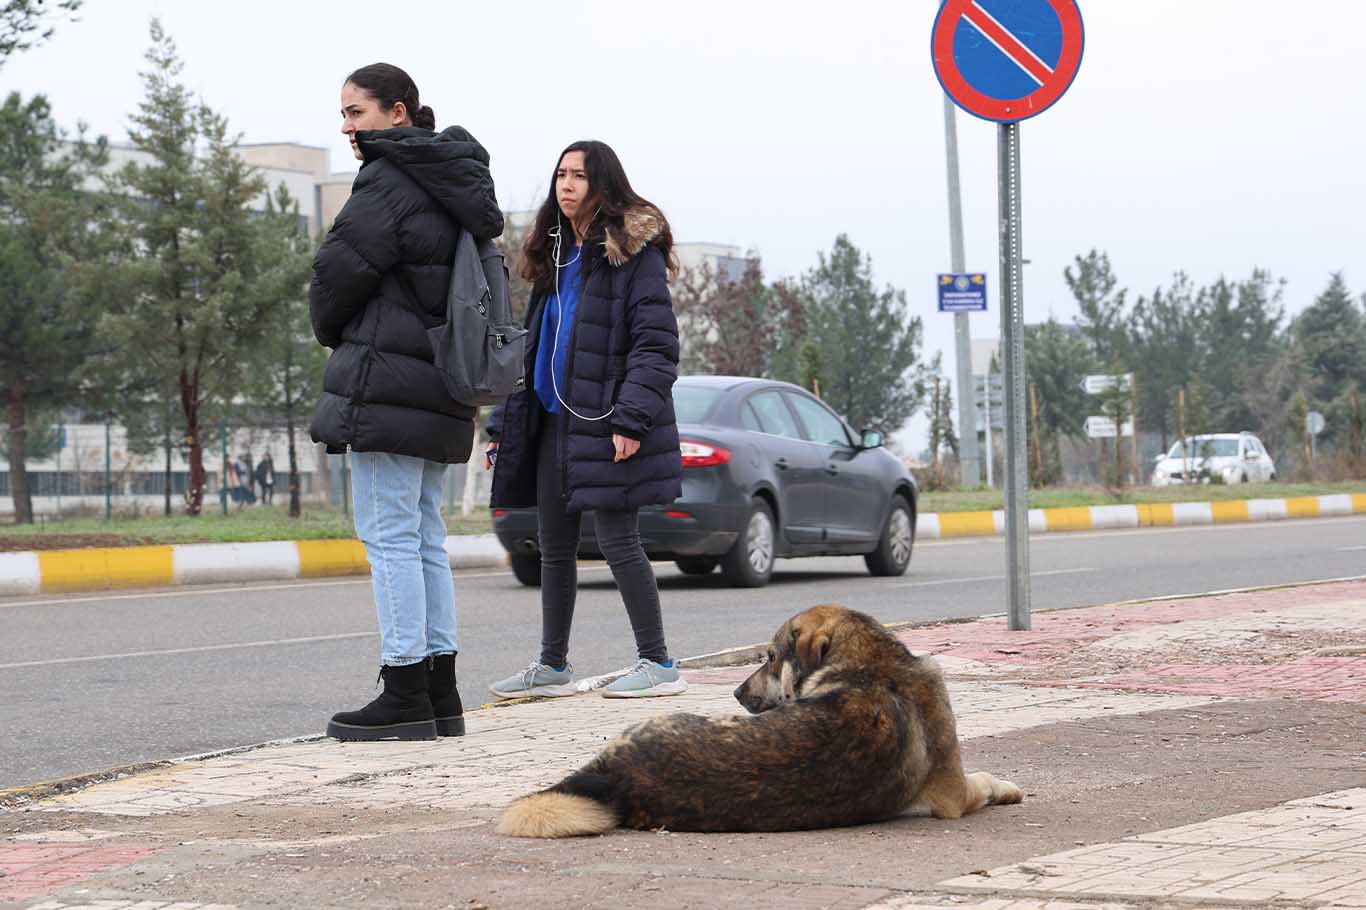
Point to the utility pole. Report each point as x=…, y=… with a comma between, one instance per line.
x=969, y=462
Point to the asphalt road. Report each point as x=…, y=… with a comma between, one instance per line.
x=96, y=681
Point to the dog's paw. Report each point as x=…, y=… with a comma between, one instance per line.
x=1003, y=792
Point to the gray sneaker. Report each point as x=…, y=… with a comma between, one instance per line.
x=647, y=679
x=537, y=679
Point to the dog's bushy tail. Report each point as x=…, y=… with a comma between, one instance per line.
x=554, y=814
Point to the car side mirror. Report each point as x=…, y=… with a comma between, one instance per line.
x=1249, y=455
x=872, y=439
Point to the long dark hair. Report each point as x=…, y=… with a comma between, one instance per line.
x=610, y=197
x=388, y=85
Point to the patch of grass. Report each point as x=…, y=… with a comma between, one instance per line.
x=1060, y=497
x=253, y=523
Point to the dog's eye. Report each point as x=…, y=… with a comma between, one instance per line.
x=771, y=655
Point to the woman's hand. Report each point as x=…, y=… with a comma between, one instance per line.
x=625, y=446
x=489, y=455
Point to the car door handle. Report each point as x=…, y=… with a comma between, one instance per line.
x=781, y=464
x=831, y=470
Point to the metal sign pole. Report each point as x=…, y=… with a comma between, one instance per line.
x=969, y=466
x=1012, y=344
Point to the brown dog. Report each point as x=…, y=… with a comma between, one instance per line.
x=851, y=728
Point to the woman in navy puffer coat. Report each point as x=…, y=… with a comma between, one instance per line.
x=595, y=429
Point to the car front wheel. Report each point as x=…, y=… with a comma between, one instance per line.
x=749, y=563
x=893, y=553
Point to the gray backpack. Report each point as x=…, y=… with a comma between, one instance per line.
x=480, y=351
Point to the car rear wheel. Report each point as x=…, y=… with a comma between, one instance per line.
x=527, y=568
x=893, y=553
x=695, y=565
x=749, y=563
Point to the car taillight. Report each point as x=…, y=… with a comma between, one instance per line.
x=700, y=455
x=499, y=513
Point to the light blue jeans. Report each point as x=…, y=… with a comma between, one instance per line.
x=398, y=518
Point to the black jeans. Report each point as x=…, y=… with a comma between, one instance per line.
x=619, y=540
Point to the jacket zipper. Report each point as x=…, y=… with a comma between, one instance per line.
x=566, y=419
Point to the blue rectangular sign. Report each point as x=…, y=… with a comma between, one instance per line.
x=963, y=293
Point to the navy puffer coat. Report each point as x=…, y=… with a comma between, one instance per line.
x=624, y=355
x=379, y=283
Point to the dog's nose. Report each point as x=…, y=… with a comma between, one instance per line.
x=739, y=694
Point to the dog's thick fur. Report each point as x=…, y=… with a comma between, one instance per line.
x=850, y=728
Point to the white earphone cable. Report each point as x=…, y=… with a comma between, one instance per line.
x=559, y=318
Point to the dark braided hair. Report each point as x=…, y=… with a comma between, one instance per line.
x=388, y=85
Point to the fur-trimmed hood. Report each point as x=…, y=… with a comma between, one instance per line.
x=639, y=226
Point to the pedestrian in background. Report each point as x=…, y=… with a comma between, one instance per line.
x=243, y=492
x=379, y=282
x=595, y=428
x=265, y=478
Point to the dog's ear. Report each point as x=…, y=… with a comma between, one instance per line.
x=812, y=645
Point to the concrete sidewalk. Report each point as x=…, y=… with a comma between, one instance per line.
x=1195, y=753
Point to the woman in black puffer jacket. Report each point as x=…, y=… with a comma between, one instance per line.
x=379, y=283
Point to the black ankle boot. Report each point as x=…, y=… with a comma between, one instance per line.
x=402, y=711
x=450, y=715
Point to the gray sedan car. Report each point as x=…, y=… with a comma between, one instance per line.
x=769, y=471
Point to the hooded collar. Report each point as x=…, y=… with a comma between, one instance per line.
x=620, y=243
x=433, y=160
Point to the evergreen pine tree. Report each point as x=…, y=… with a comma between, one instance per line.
x=44, y=238
x=192, y=314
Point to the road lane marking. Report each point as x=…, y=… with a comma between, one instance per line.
x=269, y=643
x=973, y=578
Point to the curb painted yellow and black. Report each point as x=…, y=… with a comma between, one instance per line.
x=95, y=568
x=1150, y=515
x=99, y=568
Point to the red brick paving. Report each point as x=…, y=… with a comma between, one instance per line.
x=1317, y=678
x=30, y=870
x=1059, y=635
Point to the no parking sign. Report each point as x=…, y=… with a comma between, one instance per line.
x=1007, y=60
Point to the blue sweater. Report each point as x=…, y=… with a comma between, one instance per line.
x=559, y=313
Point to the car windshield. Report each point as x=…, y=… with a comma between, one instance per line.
x=693, y=402
x=1200, y=448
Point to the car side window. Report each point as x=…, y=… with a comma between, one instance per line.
x=749, y=419
x=822, y=425
x=773, y=415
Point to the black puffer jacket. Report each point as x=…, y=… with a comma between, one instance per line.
x=380, y=281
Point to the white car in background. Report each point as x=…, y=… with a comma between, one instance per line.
x=1215, y=457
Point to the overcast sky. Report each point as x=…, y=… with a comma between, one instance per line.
x=1213, y=136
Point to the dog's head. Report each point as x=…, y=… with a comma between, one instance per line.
x=802, y=646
